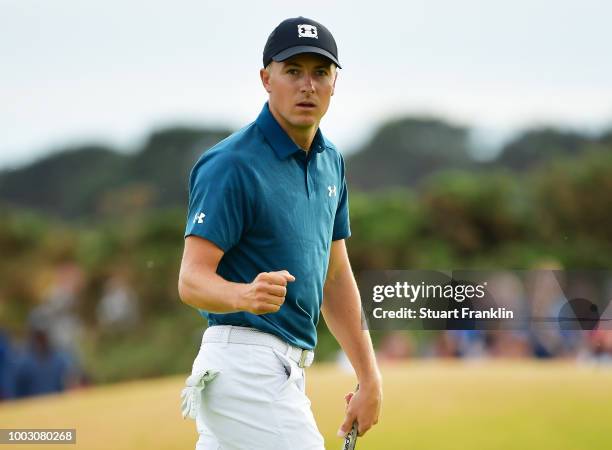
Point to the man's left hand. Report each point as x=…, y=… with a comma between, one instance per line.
x=362, y=406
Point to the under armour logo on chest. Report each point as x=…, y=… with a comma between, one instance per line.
x=331, y=191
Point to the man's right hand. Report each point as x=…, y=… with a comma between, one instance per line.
x=266, y=293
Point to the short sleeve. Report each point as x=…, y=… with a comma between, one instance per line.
x=219, y=208
x=342, y=228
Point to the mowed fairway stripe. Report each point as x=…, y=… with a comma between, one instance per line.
x=501, y=405
x=427, y=405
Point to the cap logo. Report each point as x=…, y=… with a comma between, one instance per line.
x=307, y=31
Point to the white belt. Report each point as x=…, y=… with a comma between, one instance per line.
x=251, y=336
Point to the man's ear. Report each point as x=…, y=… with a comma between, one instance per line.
x=264, y=74
x=334, y=83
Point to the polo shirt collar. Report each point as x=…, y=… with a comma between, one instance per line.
x=279, y=140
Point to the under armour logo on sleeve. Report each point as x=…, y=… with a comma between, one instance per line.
x=331, y=191
x=199, y=217
x=309, y=31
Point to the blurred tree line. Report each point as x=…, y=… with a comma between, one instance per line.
x=98, y=181
x=418, y=201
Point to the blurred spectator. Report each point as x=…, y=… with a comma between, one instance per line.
x=509, y=340
x=58, y=309
x=468, y=343
x=39, y=368
x=600, y=343
x=395, y=346
x=445, y=345
x=508, y=344
x=56, y=317
x=549, y=336
x=118, y=307
x=5, y=364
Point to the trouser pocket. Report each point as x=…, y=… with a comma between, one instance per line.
x=293, y=372
x=193, y=391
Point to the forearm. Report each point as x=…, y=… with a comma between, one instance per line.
x=342, y=313
x=207, y=290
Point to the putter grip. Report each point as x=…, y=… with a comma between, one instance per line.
x=350, y=441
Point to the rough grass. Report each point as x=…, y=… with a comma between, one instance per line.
x=428, y=405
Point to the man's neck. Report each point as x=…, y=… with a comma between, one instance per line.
x=302, y=137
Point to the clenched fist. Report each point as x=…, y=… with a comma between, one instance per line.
x=266, y=293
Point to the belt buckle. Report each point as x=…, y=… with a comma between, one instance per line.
x=303, y=357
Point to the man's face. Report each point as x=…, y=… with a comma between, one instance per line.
x=300, y=89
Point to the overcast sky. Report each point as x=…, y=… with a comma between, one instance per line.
x=74, y=71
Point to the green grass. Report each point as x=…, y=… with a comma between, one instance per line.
x=428, y=405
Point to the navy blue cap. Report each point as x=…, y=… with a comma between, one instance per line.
x=299, y=35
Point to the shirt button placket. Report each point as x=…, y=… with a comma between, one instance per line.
x=312, y=174
x=303, y=163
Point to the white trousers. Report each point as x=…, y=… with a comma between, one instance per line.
x=252, y=398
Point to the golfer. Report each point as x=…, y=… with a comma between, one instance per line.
x=265, y=254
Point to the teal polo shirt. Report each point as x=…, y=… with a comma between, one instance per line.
x=271, y=206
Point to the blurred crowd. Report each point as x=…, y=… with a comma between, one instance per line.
x=48, y=357
x=587, y=346
x=557, y=327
